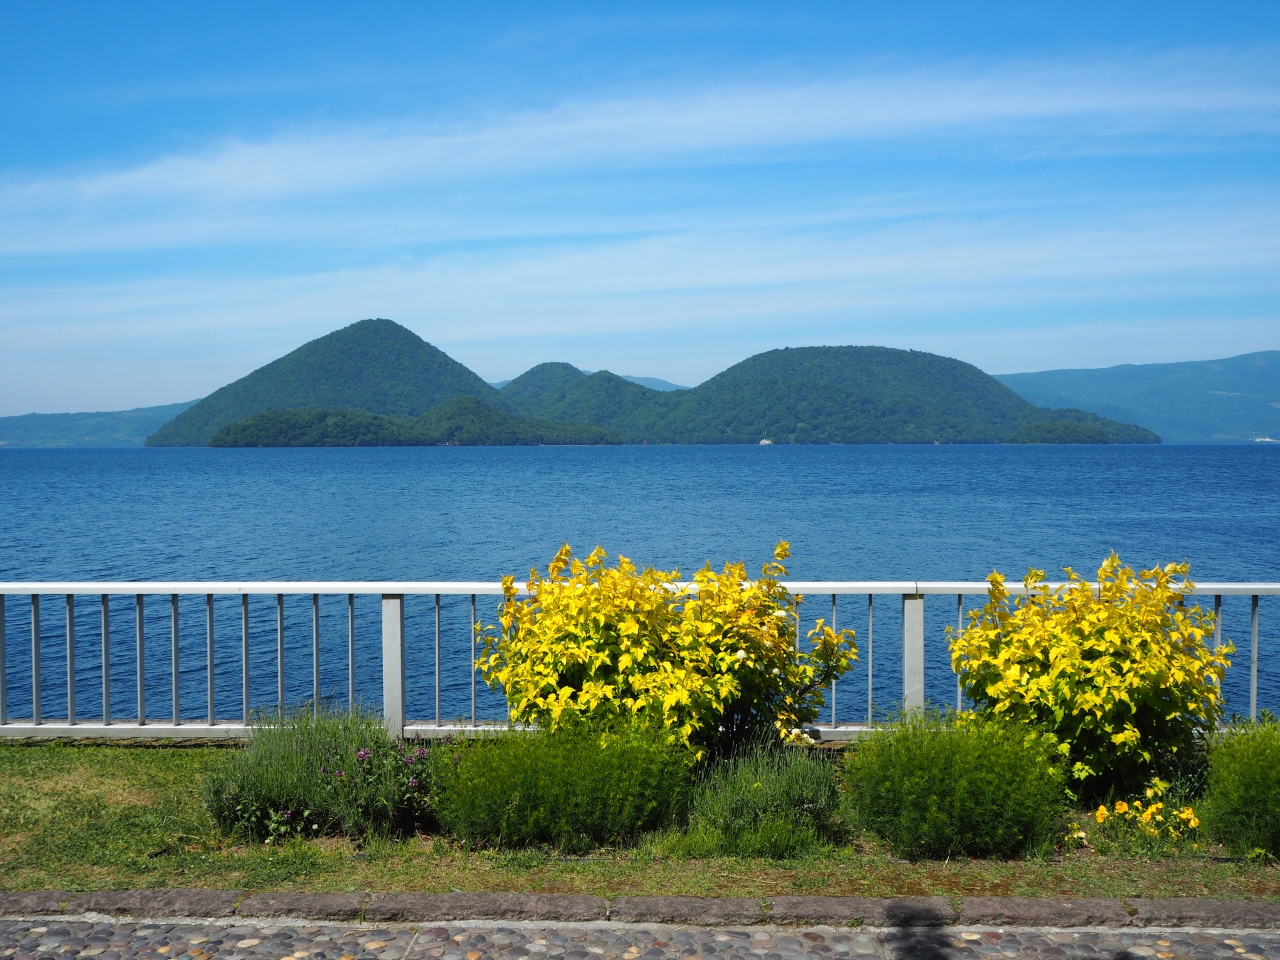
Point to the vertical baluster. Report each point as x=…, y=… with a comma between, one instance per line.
x=35, y=660
x=175, y=661
x=959, y=630
x=106, y=660
x=437, y=659
x=280, y=653
x=871, y=656
x=244, y=657
x=351, y=651
x=1217, y=628
x=142, y=663
x=71, y=659
x=473, y=659
x=315, y=654
x=4, y=665
x=833, y=679
x=1253, y=660
x=208, y=654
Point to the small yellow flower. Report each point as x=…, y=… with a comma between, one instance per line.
x=1101, y=813
x=1121, y=807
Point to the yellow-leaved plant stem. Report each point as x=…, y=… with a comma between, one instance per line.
x=711, y=665
x=1120, y=675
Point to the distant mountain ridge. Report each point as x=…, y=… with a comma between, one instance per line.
x=378, y=369
x=1233, y=400
x=113, y=428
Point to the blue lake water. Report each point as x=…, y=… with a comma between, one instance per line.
x=451, y=513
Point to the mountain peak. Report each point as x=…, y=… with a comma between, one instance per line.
x=374, y=366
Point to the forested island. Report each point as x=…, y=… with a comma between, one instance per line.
x=376, y=383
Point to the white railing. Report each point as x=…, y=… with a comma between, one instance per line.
x=107, y=724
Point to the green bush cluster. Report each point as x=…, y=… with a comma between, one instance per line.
x=1241, y=809
x=311, y=774
x=772, y=801
x=932, y=787
x=575, y=789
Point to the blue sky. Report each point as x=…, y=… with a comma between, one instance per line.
x=189, y=190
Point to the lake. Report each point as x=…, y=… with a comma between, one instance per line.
x=475, y=513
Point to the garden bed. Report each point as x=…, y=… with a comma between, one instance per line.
x=76, y=817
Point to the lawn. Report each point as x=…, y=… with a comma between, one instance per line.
x=77, y=817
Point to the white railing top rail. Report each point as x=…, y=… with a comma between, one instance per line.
x=480, y=587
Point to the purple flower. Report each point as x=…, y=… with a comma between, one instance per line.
x=339, y=774
x=413, y=782
x=362, y=754
x=408, y=759
x=421, y=752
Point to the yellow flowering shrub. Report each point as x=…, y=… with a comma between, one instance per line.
x=711, y=663
x=1119, y=675
x=1138, y=827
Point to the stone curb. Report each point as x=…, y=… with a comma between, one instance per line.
x=695, y=911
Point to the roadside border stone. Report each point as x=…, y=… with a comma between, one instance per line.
x=308, y=906
x=899, y=912
x=40, y=902
x=1195, y=912
x=158, y=903
x=704, y=911
x=1047, y=912
x=412, y=907
x=871, y=911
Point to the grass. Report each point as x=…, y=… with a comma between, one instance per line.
x=111, y=817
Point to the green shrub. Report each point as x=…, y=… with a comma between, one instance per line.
x=335, y=773
x=934, y=787
x=1241, y=809
x=576, y=789
x=775, y=802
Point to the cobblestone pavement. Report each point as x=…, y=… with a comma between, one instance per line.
x=54, y=940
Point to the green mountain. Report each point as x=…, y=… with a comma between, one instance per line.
x=1235, y=400
x=374, y=366
x=817, y=395
x=375, y=382
x=461, y=421
x=535, y=382
x=118, y=428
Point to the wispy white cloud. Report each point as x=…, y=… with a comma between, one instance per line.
x=1073, y=105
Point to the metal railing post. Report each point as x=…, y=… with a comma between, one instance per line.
x=4, y=665
x=71, y=659
x=959, y=630
x=473, y=659
x=437, y=660
x=1253, y=660
x=106, y=660
x=142, y=666
x=912, y=650
x=315, y=654
x=393, y=663
x=244, y=656
x=35, y=659
x=871, y=657
x=833, y=681
x=208, y=655
x=351, y=652
x=176, y=659
x=280, y=653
